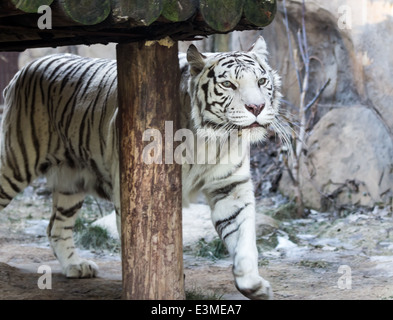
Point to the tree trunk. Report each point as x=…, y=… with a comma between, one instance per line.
x=152, y=257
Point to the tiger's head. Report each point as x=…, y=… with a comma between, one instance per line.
x=233, y=90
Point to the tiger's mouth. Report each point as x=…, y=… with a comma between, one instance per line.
x=256, y=125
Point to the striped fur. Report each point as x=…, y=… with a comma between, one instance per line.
x=59, y=121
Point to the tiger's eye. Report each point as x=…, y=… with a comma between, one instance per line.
x=262, y=81
x=227, y=84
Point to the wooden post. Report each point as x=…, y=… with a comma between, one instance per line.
x=152, y=257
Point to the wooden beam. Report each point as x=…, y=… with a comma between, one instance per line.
x=28, y=6
x=7, y=8
x=260, y=13
x=222, y=15
x=152, y=257
x=130, y=21
x=179, y=10
x=86, y=12
x=143, y=12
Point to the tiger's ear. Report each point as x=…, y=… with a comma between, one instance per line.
x=195, y=59
x=260, y=48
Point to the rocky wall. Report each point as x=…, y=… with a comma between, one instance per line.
x=348, y=159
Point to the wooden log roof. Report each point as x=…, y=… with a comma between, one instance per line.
x=103, y=21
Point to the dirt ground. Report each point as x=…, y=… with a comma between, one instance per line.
x=315, y=258
x=291, y=279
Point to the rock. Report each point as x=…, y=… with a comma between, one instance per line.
x=285, y=244
x=265, y=224
x=350, y=158
x=108, y=222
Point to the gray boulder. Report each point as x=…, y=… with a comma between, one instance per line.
x=349, y=162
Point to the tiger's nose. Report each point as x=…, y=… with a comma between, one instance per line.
x=255, y=109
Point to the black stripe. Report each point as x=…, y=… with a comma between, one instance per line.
x=69, y=212
x=231, y=172
x=104, y=109
x=69, y=159
x=4, y=195
x=36, y=142
x=88, y=140
x=12, y=185
x=94, y=104
x=41, y=78
x=44, y=167
x=11, y=158
x=67, y=74
x=65, y=121
x=205, y=88
x=81, y=133
x=57, y=238
x=231, y=232
x=222, y=192
x=68, y=193
x=228, y=63
x=103, y=63
x=74, y=99
x=22, y=146
x=217, y=93
x=101, y=192
x=220, y=225
x=50, y=80
x=211, y=73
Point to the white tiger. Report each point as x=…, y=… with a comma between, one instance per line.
x=60, y=121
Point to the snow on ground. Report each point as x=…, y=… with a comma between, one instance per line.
x=196, y=224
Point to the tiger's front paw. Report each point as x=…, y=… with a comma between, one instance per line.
x=255, y=288
x=82, y=269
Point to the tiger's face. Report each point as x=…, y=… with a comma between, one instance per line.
x=234, y=90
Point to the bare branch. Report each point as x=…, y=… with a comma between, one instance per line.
x=302, y=53
x=310, y=104
x=288, y=103
x=305, y=43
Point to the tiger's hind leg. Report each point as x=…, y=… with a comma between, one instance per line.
x=60, y=233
